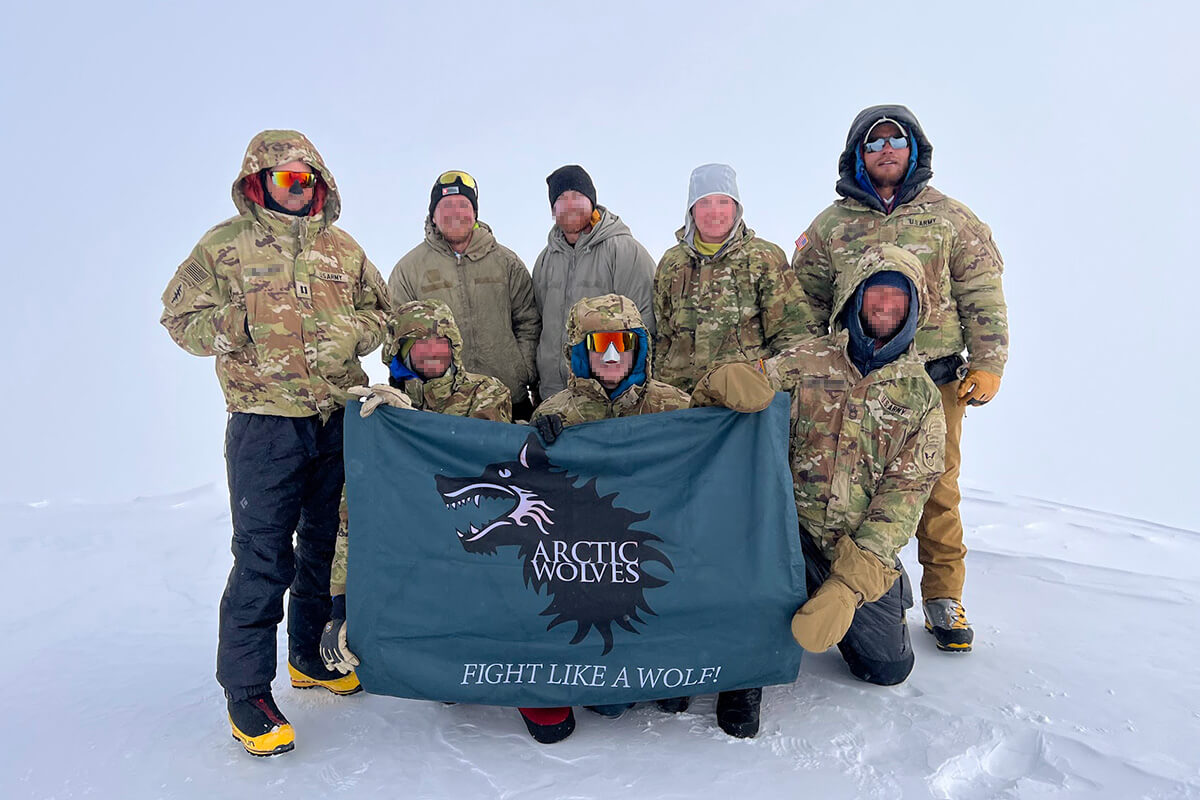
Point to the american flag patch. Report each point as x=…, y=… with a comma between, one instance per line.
x=802, y=242
x=195, y=274
x=449, y=190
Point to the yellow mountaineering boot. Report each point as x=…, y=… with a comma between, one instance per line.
x=312, y=677
x=260, y=726
x=947, y=621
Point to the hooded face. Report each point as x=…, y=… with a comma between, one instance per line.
x=884, y=310
x=715, y=216
x=276, y=150
x=611, y=367
x=436, y=343
x=617, y=368
x=431, y=357
x=295, y=197
x=888, y=166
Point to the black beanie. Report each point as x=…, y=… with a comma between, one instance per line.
x=441, y=190
x=572, y=176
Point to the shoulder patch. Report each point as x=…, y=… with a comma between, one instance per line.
x=802, y=242
x=893, y=407
x=196, y=275
x=175, y=293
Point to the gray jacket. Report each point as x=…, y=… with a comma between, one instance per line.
x=605, y=260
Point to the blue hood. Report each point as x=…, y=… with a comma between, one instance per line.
x=637, y=375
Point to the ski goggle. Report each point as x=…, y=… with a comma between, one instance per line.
x=875, y=145
x=454, y=176
x=285, y=179
x=622, y=341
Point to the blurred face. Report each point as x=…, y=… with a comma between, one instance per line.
x=295, y=197
x=431, y=357
x=454, y=217
x=572, y=212
x=611, y=367
x=887, y=167
x=884, y=310
x=714, y=217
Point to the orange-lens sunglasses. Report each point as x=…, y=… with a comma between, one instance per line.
x=285, y=178
x=623, y=341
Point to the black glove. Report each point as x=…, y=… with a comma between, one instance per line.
x=549, y=427
x=335, y=653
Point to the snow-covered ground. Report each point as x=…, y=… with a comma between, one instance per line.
x=1083, y=683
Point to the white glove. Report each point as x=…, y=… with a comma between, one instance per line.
x=379, y=394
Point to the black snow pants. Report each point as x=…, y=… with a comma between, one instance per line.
x=877, y=647
x=285, y=477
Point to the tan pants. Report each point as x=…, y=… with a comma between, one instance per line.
x=940, y=547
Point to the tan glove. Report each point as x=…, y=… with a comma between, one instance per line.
x=856, y=577
x=978, y=387
x=741, y=387
x=824, y=619
x=377, y=395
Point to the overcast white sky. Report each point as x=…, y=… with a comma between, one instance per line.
x=1067, y=127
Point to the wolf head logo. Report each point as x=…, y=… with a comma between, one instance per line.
x=578, y=545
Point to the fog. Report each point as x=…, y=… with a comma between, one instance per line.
x=1065, y=127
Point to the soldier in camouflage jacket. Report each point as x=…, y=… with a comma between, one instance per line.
x=729, y=300
x=287, y=303
x=867, y=438
x=452, y=391
x=886, y=199
x=585, y=399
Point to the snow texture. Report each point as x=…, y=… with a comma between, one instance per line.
x=1081, y=683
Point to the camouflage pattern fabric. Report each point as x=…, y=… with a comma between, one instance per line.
x=490, y=292
x=865, y=451
x=585, y=399
x=458, y=392
x=741, y=304
x=961, y=264
x=286, y=304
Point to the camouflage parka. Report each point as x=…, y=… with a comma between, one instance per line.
x=286, y=304
x=585, y=399
x=961, y=263
x=490, y=293
x=741, y=304
x=458, y=392
x=865, y=451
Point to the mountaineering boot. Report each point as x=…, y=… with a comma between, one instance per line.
x=947, y=621
x=548, y=725
x=311, y=673
x=260, y=726
x=737, y=712
x=674, y=705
